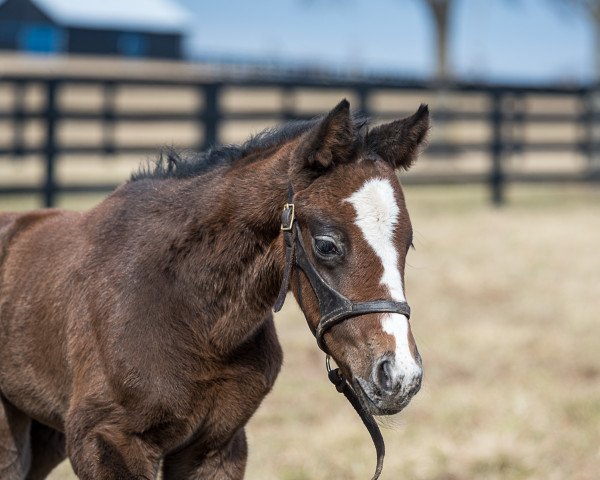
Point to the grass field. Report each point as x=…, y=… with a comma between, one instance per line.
x=506, y=309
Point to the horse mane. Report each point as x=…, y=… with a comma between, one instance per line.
x=173, y=164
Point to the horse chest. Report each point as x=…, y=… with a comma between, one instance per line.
x=252, y=377
x=221, y=405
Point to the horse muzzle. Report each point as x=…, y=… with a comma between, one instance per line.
x=391, y=385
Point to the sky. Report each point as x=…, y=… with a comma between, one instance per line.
x=492, y=40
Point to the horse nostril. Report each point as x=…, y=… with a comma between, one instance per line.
x=385, y=376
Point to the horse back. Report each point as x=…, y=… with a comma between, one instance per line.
x=6, y=224
x=32, y=330
x=12, y=224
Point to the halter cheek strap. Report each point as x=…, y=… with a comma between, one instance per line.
x=334, y=308
x=289, y=238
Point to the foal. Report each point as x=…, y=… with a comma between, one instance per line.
x=142, y=331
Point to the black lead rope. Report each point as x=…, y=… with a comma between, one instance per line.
x=334, y=308
x=342, y=386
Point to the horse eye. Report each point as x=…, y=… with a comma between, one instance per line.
x=326, y=247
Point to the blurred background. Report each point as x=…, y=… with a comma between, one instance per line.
x=505, y=279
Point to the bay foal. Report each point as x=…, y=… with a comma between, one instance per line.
x=141, y=330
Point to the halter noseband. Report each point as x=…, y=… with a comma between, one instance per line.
x=334, y=308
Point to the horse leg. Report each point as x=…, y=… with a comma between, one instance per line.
x=101, y=449
x=15, y=451
x=48, y=450
x=194, y=463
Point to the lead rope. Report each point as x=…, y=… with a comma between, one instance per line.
x=342, y=386
x=334, y=375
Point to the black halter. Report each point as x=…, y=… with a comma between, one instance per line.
x=334, y=308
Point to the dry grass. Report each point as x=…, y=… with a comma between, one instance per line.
x=506, y=317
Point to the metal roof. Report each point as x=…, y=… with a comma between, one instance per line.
x=151, y=15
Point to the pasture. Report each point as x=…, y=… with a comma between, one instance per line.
x=505, y=313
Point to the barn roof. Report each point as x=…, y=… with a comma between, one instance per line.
x=152, y=15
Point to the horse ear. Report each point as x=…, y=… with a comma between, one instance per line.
x=331, y=141
x=398, y=142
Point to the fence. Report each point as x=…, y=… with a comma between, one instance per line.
x=504, y=111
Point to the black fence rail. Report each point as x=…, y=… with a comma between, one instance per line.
x=503, y=112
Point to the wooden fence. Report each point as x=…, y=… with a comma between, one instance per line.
x=497, y=122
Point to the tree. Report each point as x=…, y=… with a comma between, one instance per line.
x=440, y=13
x=592, y=8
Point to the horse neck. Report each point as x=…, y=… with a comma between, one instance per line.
x=231, y=240
x=255, y=193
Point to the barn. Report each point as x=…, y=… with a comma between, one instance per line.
x=128, y=28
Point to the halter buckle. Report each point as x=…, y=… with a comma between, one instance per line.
x=328, y=363
x=287, y=217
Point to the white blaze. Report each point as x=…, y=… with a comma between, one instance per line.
x=377, y=214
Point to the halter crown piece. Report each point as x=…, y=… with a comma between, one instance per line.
x=334, y=308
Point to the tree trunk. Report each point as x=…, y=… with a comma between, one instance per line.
x=440, y=10
x=593, y=9
x=594, y=155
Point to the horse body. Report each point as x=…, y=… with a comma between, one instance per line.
x=142, y=331
x=34, y=314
